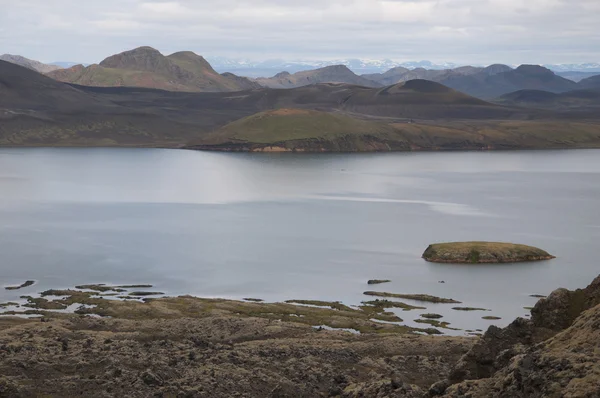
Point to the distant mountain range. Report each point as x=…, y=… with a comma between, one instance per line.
x=271, y=67
x=147, y=67
x=328, y=74
x=360, y=66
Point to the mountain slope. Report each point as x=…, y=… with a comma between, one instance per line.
x=422, y=99
x=328, y=74
x=27, y=90
x=576, y=100
x=146, y=67
x=399, y=75
x=491, y=84
x=29, y=63
x=590, y=83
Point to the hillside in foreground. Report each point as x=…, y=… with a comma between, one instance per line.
x=194, y=347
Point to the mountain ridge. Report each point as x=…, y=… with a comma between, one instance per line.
x=147, y=67
x=29, y=63
x=328, y=74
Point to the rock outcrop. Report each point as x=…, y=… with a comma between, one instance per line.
x=483, y=252
x=554, y=352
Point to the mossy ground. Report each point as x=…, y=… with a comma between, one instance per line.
x=469, y=309
x=337, y=315
x=483, y=252
x=416, y=297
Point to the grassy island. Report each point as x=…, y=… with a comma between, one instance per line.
x=483, y=252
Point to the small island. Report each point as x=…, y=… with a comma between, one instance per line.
x=483, y=252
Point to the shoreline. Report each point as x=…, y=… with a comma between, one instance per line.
x=372, y=315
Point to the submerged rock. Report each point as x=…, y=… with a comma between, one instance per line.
x=21, y=286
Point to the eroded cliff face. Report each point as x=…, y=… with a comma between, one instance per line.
x=556, y=353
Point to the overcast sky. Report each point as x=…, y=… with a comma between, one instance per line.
x=463, y=31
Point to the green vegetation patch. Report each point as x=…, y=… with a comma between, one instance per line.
x=105, y=288
x=298, y=124
x=342, y=317
x=383, y=304
x=432, y=316
x=483, y=252
x=416, y=297
x=336, y=305
x=469, y=309
x=141, y=293
x=436, y=323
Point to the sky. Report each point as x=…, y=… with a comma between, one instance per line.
x=461, y=31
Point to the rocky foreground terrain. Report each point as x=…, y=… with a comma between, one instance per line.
x=183, y=348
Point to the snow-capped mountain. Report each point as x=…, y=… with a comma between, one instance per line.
x=270, y=67
x=586, y=67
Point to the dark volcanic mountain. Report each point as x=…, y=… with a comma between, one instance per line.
x=146, y=67
x=422, y=99
x=328, y=74
x=576, y=100
x=590, y=83
x=486, y=83
x=29, y=63
x=399, y=75
x=495, y=81
x=23, y=90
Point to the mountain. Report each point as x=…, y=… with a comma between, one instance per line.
x=328, y=74
x=497, y=80
x=577, y=100
x=486, y=83
x=401, y=74
x=422, y=99
x=146, y=67
x=250, y=68
x=576, y=76
x=25, y=91
x=585, y=67
x=65, y=64
x=36, y=110
x=28, y=63
x=590, y=83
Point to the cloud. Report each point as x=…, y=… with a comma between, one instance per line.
x=472, y=31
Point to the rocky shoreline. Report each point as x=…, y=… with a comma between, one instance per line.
x=189, y=347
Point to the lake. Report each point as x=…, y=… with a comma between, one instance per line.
x=299, y=226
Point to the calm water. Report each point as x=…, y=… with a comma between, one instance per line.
x=288, y=226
